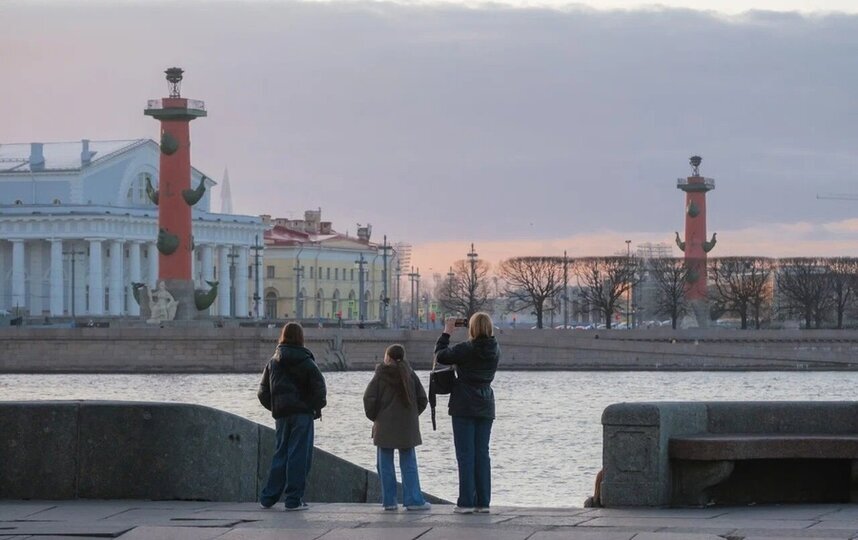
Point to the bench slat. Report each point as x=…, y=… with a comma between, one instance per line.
x=736, y=446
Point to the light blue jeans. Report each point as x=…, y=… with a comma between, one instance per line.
x=411, y=493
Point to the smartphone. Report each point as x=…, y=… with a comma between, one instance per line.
x=463, y=323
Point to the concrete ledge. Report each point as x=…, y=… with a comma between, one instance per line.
x=638, y=470
x=160, y=451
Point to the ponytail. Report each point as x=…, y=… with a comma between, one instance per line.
x=397, y=354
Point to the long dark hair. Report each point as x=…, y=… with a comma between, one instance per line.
x=396, y=352
x=292, y=334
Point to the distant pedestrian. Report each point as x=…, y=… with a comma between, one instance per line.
x=393, y=400
x=293, y=389
x=472, y=406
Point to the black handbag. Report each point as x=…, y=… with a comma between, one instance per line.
x=441, y=381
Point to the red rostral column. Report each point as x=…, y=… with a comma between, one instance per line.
x=174, y=196
x=695, y=245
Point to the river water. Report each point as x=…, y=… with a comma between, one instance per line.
x=546, y=443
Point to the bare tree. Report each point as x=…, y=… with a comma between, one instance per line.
x=530, y=281
x=742, y=285
x=670, y=276
x=804, y=284
x=466, y=289
x=603, y=281
x=843, y=274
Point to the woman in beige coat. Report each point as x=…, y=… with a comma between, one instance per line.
x=393, y=400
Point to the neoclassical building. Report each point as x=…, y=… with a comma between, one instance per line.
x=313, y=272
x=77, y=228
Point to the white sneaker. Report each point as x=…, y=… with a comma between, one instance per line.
x=421, y=507
x=463, y=510
x=391, y=508
x=482, y=510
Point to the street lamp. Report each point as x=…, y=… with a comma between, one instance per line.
x=256, y=260
x=299, y=272
x=359, y=264
x=385, y=300
x=414, y=278
x=232, y=256
x=71, y=253
x=628, y=277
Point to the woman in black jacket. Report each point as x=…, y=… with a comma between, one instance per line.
x=472, y=406
x=293, y=389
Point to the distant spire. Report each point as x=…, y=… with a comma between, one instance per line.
x=225, y=194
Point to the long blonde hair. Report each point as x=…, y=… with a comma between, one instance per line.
x=480, y=325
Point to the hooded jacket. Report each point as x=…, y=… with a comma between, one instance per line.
x=395, y=424
x=476, y=362
x=292, y=383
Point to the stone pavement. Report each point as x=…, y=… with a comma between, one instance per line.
x=180, y=520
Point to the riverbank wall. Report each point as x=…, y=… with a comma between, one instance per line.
x=205, y=349
x=56, y=450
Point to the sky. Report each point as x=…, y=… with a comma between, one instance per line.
x=525, y=128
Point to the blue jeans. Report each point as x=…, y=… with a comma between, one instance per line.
x=290, y=465
x=411, y=493
x=471, y=437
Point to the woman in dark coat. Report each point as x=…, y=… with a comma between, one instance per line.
x=472, y=406
x=293, y=389
x=393, y=400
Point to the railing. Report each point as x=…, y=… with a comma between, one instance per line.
x=191, y=104
x=707, y=182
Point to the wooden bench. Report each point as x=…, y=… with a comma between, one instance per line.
x=742, y=468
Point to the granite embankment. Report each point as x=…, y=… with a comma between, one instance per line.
x=203, y=348
x=157, y=451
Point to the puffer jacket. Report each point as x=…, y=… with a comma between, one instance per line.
x=476, y=362
x=292, y=383
x=395, y=424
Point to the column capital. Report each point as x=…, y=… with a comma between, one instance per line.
x=95, y=239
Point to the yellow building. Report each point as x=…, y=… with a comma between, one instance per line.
x=311, y=272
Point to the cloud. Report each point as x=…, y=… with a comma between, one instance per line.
x=836, y=238
x=439, y=122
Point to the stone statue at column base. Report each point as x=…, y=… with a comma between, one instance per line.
x=700, y=309
x=162, y=305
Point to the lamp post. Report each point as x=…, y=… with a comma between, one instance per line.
x=565, y=291
x=450, y=276
x=414, y=279
x=299, y=272
x=472, y=288
x=359, y=264
x=385, y=298
x=397, y=310
x=628, y=276
x=71, y=253
x=256, y=261
x=232, y=257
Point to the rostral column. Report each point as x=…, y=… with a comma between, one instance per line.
x=695, y=245
x=175, y=197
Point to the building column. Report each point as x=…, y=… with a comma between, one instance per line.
x=77, y=279
x=35, y=304
x=57, y=292
x=18, y=276
x=152, y=280
x=207, y=263
x=96, y=277
x=224, y=285
x=117, y=254
x=133, y=276
x=207, y=269
x=241, y=279
x=4, y=269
